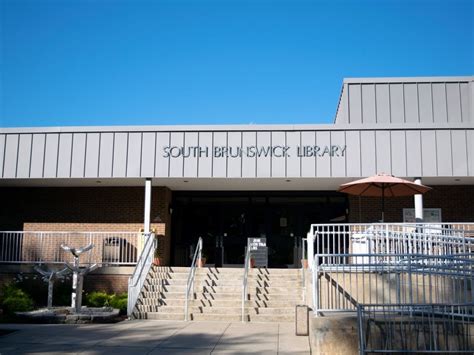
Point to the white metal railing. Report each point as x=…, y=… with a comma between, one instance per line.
x=303, y=270
x=392, y=238
x=415, y=329
x=339, y=285
x=110, y=248
x=137, y=280
x=245, y=282
x=192, y=272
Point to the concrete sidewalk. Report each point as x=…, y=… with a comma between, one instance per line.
x=154, y=337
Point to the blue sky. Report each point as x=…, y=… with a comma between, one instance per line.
x=67, y=62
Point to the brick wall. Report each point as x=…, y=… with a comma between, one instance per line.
x=85, y=209
x=108, y=283
x=456, y=203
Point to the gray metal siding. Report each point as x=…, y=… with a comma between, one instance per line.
x=412, y=102
x=429, y=162
x=470, y=151
x=148, y=154
x=161, y=163
x=92, y=155
x=37, y=155
x=191, y=139
x=234, y=165
x=412, y=152
x=50, y=155
x=249, y=164
x=2, y=152
x=134, y=154
x=24, y=156
x=383, y=152
x=264, y=164
x=414, y=161
x=106, y=154
x=11, y=156
x=459, y=153
x=219, y=163
x=308, y=163
x=119, y=161
x=64, y=155
x=398, y=151
x=367, y=153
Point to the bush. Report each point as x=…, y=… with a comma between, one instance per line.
x=119, y=302
x=97, y=299
x=15, y=300
x=35, y=287
x=102, y=299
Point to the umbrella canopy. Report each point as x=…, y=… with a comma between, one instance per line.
x=383, y=185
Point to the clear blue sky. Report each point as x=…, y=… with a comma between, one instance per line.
x=107, y=62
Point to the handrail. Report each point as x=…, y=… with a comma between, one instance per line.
x=192, y=273
x=303, y=271
x=136, y=281
x=245, y=282
x=365, y=279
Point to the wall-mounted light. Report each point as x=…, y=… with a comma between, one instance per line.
x=170, y=209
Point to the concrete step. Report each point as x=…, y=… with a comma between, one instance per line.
x=165, y=316
x=275, y=297
x=264, y=318
x=170, y=269
x=271, y=311
x=218, y=296
x=275, y=290
x=147, y=308
x=215, y=317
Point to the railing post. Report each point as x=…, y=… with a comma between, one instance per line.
x=316, y=301
x=310, y=244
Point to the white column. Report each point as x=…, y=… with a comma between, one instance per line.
x=146, y=219
x=418, y=203
x=310, y=249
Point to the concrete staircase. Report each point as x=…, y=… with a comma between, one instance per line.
x=272, y=294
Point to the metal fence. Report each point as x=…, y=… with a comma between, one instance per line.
x=343, y=281
x=393, y=238
x=142, y=268
x=435, y=328
x=110, y=248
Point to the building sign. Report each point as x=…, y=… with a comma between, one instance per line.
x=258, y=251
x=277, y=151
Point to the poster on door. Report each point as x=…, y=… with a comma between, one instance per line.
x=258, y=251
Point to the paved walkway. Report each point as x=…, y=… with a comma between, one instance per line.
x=154, y=337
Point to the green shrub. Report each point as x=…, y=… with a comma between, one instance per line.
x=15, y=300
x=103, y=299
x=97, y=299
x=17, y=304
x=119, y=302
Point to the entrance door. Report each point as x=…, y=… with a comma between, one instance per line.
x=232, y=217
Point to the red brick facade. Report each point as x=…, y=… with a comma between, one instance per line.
x=456, y=203
x=86, y=209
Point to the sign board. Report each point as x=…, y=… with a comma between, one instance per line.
x=258, y=251
x=430, y=215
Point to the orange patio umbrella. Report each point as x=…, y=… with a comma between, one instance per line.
x=382, y=185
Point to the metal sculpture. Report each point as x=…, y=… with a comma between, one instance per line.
x=50, y=276
x=78, y=274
